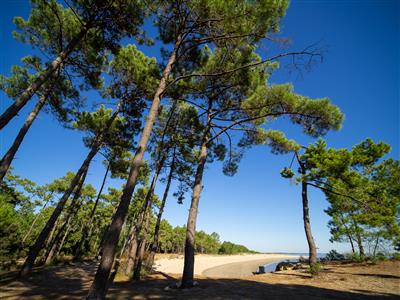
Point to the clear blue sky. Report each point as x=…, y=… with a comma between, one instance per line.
x=258, y=208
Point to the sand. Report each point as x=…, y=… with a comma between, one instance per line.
x=348, y=281
x=219, y=265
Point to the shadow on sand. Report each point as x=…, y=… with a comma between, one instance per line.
x=72, y=282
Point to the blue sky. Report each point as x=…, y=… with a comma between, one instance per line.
x=257, y=208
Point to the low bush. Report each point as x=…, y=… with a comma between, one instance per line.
x=314, y=269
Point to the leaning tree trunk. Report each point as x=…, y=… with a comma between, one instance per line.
x=34, y=221
x=82, y=245
x=376, y=246
x=140, y=253
x=35, y=249
x=141, y=219
x=348, y=234
x=188, y=268
x=98, y=288
x=360, y=245
x=9, y=156
x=19, y=103
x=56, y=244
x=154, y=244
x=358, y=238
x=312, y=250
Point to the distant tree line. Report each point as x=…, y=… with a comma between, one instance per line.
x=25, y=208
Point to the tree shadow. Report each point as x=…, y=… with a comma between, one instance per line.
x=224, y=288
x=73, y=282
x=385, y=276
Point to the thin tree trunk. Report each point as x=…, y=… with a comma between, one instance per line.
x=34, y=221
x=19, y=103
x=141, y=219
x=360, y=245
x=48, y=243
x=188, y=268
x=348, y=234
x=82, y=245
x=98, y=288
x=55, y=244
x=10, y=154
x=312, y=249
x=358, y=239
x=67, y=230
x=35, y=249
x=154, y=244
x=131, y=251
x=376, y=246
x=143, y=243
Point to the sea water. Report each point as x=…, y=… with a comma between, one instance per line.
x=268, y=268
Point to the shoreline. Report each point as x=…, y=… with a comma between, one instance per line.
x=220, y=265
x=239, y=269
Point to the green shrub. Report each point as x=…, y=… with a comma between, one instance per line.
x=380, y=256
x=334, y=255
x=396, y=256
x=356, y=258
x=314, y=269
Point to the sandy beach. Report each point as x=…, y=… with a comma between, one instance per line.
x=219, y=265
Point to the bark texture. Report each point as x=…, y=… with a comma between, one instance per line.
x=83, y=243
x=312, y=249
x=35, y=249
x=154, y=245
x=57, y=243
x=188, y=268
x=98, y=288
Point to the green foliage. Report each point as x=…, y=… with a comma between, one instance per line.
x=279, y=143
x=231, y=248
x=287, y=173
x=314, y=269
x=334, y=255
x=396, y=256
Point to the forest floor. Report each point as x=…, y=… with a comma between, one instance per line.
x=343, y=281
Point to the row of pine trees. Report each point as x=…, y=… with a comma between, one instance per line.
x=207, y=98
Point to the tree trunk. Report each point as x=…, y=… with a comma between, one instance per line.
x=82, y=245
x=58, y=240
x=358, y=239
x=376, y=246
x=142, y=247
x=35, y=249
x=154, y=245
x=141, y=219
x=98, y=287
x=348, y=235
x=9, y=156
x=188, y=268
x=360, y=245
x=34, y=221
x=130, y=264
x=312, y=250
x=19, y=103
